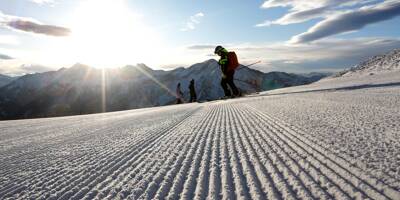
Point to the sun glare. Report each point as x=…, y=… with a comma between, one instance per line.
x=106, y=33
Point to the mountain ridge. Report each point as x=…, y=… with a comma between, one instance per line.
x=389, y=61
x=82, y=89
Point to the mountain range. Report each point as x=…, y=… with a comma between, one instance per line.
x=81, y=89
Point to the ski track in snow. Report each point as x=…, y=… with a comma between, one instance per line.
x=234, y=149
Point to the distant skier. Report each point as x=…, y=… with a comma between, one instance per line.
x=193, y=96
x=228, y=63
x=179, y=94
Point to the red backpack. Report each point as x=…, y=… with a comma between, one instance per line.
x=233, y=62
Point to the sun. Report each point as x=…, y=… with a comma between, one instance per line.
x=106, y=33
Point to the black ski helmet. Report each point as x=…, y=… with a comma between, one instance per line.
x=218, y=49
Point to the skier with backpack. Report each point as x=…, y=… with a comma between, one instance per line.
x=228, y=63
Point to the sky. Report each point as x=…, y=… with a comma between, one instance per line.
x=285, y=35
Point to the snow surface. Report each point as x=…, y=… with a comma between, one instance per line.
x=284, y=144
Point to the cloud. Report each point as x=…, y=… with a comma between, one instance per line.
x=42, y=1
x=303, y=15
x=5, y=57
x=201, y=46
x=16, y=67
x=29, y=26
x=30, y=68
x=298, y=16
x=302, y=5
x=265, y=23
x=193, y=21
x=337, y=16
x=277, y=3
x=349, y=21
x=32, y=26
x=304, y=10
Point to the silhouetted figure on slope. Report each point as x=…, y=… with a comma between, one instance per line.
x=228, y=63
x=179, y=94
x=193, y=96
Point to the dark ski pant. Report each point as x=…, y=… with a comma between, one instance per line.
x=228, y=80
x=193, y=97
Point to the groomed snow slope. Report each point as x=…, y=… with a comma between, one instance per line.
x=316, y=145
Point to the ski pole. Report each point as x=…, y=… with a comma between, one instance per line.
x=252, y=64
x=241, y=67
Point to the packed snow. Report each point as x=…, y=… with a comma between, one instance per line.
x=336, y=139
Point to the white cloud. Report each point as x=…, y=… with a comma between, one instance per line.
x=32, y=68
x=349, y=21
x=264, y=24
x=303, y=15
x=304, y=10
x=298, y=5
x=202, y=46
x=17, y=68
x=193, y=21
x=42, y=1
x=337, y=16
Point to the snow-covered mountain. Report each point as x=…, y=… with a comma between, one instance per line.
x=378, y=64
x=4, y=80
x=81, y=89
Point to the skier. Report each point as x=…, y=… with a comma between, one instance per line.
x=228, y=63
x=193, y=97
x=179, y=94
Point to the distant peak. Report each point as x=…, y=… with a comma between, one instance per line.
x=211, y=61
x=80, y=65
x=139, y=66
x=143, y=66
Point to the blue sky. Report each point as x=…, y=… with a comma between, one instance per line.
x=286, y=35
